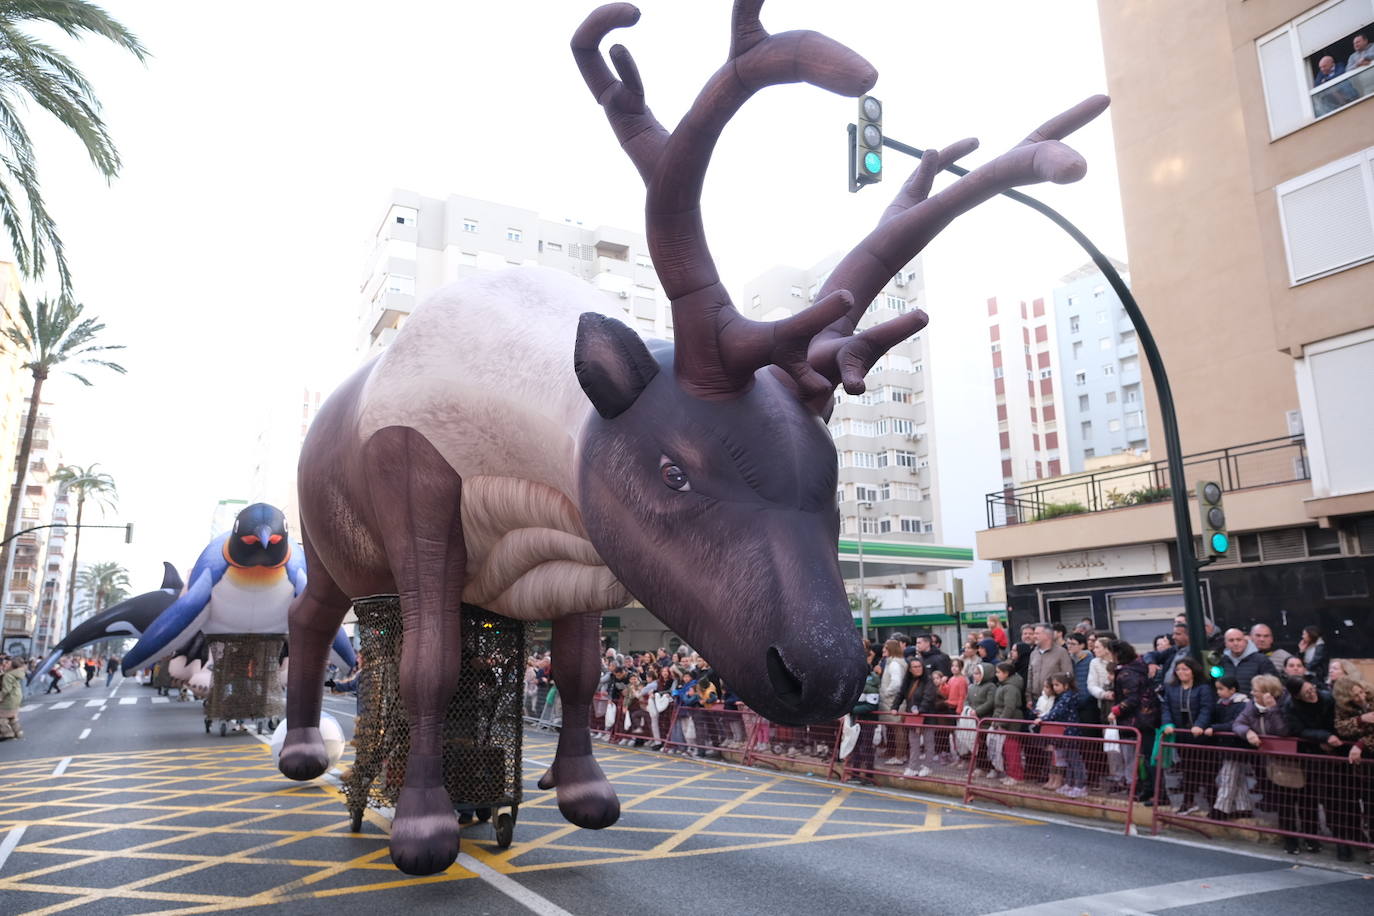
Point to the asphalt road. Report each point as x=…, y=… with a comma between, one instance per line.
x=117, y=804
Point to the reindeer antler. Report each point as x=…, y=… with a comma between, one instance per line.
x=914, y=218
x=717, y=350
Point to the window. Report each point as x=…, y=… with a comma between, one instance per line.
x=1088, y=453
x=1077, y=349
x=1104, y=343
x=896, y=303
x=1135, y=419
x=907, y=491
x=1127, y=336
x=866, y=494
x=928, y=527
x=1046, y=373
x=906, y=459
x=1130, y=364
x=884, y=490
x=1099, y=292
x=795, y=292
x=1109, y=370
x=1086, y=429
x=1080, y=378
x=884, y=526
x=883, y=459
x=1113, y=425
x=469, y=225
x=839, y=495
x=513, y=234
x=864, y=459
x=996, y=371
x=1132, y=395
x=1305, y=65
x=1111, y=397
x=902, y=427
x=1073, y=320
x=918, y=366
x=554, y=246
x=1082, y=402
x=899, y=395
x=756, y=301
x=1327, y=216
x=869, y=525
x=911, y=525
x=1071, y=302
x=397, y=284
x=997, y=348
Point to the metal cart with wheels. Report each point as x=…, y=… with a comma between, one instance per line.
x=245, y=690
x=483, y=733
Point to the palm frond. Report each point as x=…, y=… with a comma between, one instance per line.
x=74, y=17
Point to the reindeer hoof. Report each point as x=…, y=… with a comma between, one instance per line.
x=424, y=833
x=302, y=754
x=585, y=797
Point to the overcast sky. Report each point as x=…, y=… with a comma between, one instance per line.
x=262, y=138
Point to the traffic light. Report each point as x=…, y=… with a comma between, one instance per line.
x=868, y=142
x=129, y=533
x=1215, y=540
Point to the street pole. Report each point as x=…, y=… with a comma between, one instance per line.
x=9, y=562
x=863, y=593
x=1183, y=530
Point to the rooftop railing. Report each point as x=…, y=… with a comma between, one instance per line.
x=1239, y=467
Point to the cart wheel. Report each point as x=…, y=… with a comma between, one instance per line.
x=207, y=726
x=259, y=728
x=505, y=829
x=483, y=814
x=273, y=722
x=223, y=729
x=357, y=822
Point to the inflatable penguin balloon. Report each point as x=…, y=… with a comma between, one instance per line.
x=243, y=582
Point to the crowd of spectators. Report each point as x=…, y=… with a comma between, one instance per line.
x=1084, y=682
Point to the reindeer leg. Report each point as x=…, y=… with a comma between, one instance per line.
x=584, y=795
x=415, y=498
x=313, y=620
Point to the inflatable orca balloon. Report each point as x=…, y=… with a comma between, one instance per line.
x=130, y=617
x=243, y=582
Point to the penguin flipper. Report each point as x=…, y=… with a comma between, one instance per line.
x=180, y=615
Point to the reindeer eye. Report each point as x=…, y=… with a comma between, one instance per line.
x=675, y=477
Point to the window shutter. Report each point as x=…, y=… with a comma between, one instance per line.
x=1327, y=224
x=1334, y=23
x=1284, y=95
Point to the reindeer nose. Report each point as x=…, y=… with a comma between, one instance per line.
x=786, y=684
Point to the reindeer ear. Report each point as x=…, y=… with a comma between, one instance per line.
x=612, y=364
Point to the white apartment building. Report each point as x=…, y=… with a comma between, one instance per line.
x=890, y=489
x=423, y=243
x=28, y=576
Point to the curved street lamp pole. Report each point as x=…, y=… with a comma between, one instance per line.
x=1188, y=563
x=863, y=593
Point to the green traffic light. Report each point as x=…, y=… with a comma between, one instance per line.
x=873, y=163
x=1217, y=671
x=1220, y=542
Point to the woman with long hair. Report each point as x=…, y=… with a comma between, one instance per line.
x=922, y=698
x=1189, y=704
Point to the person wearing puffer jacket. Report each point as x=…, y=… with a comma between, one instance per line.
x=1008, y=704
x=1269, y=714
x=982, y=699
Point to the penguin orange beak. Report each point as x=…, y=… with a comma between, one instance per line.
x=264, y=533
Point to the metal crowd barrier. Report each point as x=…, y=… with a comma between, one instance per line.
x=1273, y=790
x=813, y=746
x=1096, y=769
x=915, y=748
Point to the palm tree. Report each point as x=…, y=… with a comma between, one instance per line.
x=33, y=71
x=47, y=338
x=105, y=583
x=99, y=487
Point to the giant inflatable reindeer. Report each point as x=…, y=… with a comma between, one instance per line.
x=517, y=449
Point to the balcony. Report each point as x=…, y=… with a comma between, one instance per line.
x=1241, y=467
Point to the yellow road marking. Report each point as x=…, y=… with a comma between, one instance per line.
x=819, y=818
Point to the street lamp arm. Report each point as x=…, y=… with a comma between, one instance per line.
x=128, y=529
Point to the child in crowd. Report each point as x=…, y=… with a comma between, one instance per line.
x=1066, y=757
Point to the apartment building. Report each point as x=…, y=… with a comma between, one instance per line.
x=890, y=490
x=1099, y=362
x=1027, y=385
x=423, y=243
x=26, y=585
x=1243, y=133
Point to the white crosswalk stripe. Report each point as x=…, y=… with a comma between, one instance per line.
x=95, y=702
x=64, y=704
x=127, y=701
x=29, y=707
x=161, y=699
